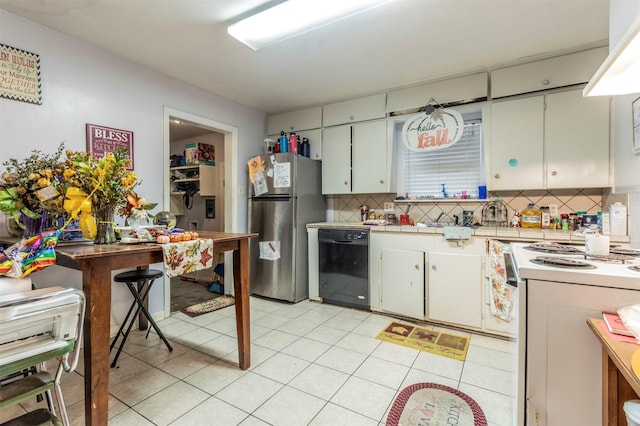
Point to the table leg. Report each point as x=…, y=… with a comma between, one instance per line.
x=242, y=290
x=96, y=284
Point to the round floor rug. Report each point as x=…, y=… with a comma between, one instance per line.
x=434, y=405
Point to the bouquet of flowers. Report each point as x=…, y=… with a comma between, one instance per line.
x=32, y=189
x=98, y=187
x=105, y=180
x=82, y=187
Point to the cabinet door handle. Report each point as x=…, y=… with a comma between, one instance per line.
x=554, y=173
x=346, y=183
x=381, y=181
x=497, y=176
x=417, y=267
x=433, y=267
x=351, y=117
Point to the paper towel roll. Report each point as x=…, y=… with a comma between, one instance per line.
x=596, y=245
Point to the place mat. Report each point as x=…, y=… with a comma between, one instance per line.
x=208, y=306
x=424, y=339
x=187, y=256
x=434, y=404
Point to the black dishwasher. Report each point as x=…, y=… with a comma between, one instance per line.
x=344, y=267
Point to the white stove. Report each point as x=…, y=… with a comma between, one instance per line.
x=559, y=372
x=621, y=269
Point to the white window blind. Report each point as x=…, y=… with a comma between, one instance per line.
x=458, y=167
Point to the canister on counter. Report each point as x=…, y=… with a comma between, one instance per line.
x=564, y=221
x=546, y=217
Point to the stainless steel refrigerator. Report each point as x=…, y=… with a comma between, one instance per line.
x=286, y=195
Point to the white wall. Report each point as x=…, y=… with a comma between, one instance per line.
x=85, y=84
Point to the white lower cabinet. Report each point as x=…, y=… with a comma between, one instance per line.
x=402, y=289
x=425, y=277
x=564, y=359
x=455, y=288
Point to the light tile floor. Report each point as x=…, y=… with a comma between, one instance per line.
x=311, y=364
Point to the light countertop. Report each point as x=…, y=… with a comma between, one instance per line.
x=516, y=234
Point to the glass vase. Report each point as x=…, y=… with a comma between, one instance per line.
x=105, y=225
x=34, y=226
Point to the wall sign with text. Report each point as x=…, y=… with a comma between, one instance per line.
x=440, y=129
x=101, y=139
x=20, y=75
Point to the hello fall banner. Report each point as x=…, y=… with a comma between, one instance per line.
x=427, y=132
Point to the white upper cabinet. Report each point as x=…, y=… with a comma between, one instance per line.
x=294, y=121
x=577, y=140
x=336, y=160
x=575, y=68
x=517, y=141
x=473, y=86
x=371, y=157
x=356, y=158
x=550, y=141
x=361, y=109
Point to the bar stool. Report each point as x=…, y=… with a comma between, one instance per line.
x=144, y=279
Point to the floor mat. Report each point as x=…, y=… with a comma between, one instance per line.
x=209, y=306
x=424, y=339
x=434, y=404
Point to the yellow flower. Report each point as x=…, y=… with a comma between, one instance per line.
x=43, y=182
x=68, y=174
x=47, y=173
x=33, y=176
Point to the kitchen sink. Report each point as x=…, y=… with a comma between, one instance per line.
x=433, y=224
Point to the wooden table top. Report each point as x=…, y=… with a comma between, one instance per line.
x=619, y=352
x=88, y=250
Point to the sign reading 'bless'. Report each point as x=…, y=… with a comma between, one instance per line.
x=440, y=129
x=101, y=139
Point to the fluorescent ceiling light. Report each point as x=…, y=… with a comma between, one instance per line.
x=294, y=17
x=620, y=72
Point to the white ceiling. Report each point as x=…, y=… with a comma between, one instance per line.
x=398, y=44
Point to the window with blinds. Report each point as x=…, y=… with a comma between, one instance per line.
x=458, y=167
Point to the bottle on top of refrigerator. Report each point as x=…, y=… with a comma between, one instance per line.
x=293, y=143
x=531, y=217
x=284, y=142
x=305, y=147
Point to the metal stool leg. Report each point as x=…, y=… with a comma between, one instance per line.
x=124, y=323
x=125, y=334
x=140, y=299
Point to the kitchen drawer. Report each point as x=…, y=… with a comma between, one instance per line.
x=575, y=68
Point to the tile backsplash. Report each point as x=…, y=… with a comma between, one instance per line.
x=346, y=208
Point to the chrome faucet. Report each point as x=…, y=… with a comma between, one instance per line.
x=439, y=217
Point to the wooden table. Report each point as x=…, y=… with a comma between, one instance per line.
x=619, y=382
x=96, y=263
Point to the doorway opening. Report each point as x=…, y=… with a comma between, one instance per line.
x=212, y=210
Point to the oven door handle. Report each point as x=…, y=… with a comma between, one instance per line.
x=510, y=270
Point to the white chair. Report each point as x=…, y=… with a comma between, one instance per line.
x=35, y=327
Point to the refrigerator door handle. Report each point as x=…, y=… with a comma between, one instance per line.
x=272, y=198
